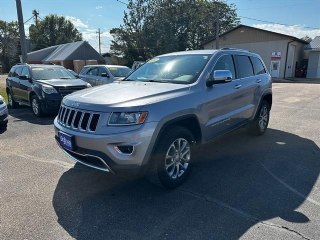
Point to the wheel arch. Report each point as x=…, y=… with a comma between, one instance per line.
x=189, y=122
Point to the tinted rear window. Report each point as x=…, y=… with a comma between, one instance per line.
x=257, y=66
x=244, y=66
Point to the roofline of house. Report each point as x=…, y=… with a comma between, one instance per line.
x=241, y=25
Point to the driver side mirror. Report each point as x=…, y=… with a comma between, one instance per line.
x=219, y=76
x=24, y=77
x=104, y=75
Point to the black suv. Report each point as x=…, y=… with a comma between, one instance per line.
x=41, y=86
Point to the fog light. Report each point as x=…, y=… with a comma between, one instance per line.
x=125, y=149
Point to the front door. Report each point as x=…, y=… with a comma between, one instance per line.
x=275, y=69
x=25, y=85
x=221, y=101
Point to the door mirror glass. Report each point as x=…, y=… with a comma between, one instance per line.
x=104, y=75
x=219, y=76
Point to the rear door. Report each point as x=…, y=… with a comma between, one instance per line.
x=15, y=83
x=246, y=87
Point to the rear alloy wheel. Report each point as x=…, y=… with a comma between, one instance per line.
x=11, y=103
x=173, y=157
x=261, y=121
x=36, y=106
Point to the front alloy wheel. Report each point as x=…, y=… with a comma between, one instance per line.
x=177, y=158
x=36, y=107
x=172, y=158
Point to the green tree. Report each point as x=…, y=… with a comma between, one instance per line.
x=129, y=38
x=53, y=30
x=9, y=44
x=159, y=26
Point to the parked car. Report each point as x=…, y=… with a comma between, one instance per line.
x=136, y=65
x=76, y=75
x=151, y=120
x=40, y=86
x=103, y=74
x=3, y=114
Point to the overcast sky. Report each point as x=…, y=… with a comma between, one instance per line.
x=88, y=16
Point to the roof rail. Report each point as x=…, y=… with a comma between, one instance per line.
x=22, y=64
x=236, y=49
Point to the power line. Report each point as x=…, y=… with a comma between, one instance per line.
x=259, y=20
x=122, y=2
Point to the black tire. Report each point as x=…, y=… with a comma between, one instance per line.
x=260, y=123
x=3, y=127
x=11, y=102
x=181, y=166
x=36, y=106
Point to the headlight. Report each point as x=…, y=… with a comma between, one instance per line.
x=88, y=85
x=127, y=118
x=48, y=89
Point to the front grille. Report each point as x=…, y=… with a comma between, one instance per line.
x=64, y=91
x=78, y=119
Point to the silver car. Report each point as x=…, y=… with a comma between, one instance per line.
x=3, y=114
x=103, y=74
x=150, y=121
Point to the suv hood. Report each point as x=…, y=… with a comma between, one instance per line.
x=63, y=82
x=124, y=94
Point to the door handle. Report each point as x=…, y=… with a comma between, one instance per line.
x=238, y=86
x=258, y=81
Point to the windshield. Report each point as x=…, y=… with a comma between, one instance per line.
x=47, y=73
x=182, y=69
x=119, y=71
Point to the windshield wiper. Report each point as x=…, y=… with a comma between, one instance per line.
x=158, y=81
x=127, y=79
x=65, y=78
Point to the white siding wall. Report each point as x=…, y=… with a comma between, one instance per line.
x=264, y=49
x=314, y=65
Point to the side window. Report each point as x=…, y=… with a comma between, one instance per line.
x=25, y=72
x=93, y=72
x=226, y=63
x=17, y=72
x=11, y=72
x=103, y=70
x=244, y=66
x=257, y=66
x=84, y=70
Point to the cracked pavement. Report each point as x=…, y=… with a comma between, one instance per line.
x=241, y=186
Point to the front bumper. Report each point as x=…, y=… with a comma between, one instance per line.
x=100, y=151
x=51, y=104
x=3, y=115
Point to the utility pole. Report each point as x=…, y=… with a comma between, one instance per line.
x=35, y=13
x=99, y=34
x=21, y=32
x=217, y=25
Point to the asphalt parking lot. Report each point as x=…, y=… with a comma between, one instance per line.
x=244, y=187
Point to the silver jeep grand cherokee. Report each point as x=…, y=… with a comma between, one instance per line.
x=150, y=121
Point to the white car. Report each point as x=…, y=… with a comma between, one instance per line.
x=3, y=114
x=103, y=74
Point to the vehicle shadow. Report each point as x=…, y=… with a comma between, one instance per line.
x=25, y=114
x=236, y=182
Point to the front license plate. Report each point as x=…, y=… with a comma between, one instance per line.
x=66, y=141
